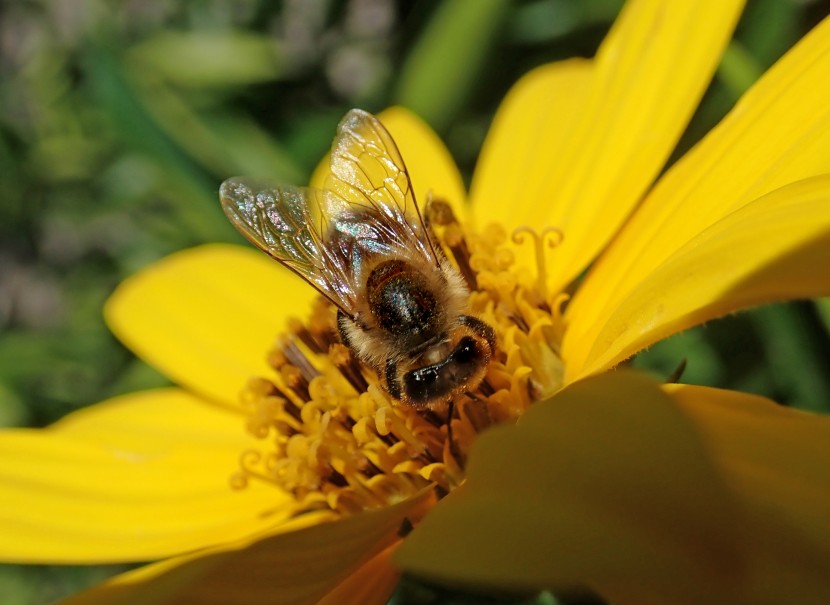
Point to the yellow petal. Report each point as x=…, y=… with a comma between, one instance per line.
x=372, y=584
x=530, y=130
x=684, y=496
x=207, y=316
x=296, y=568
x=606, y=486
x=778, y=133
x=535, y=121
x=778, y=460
x=156, y=421
x=431, y=168
x=75, y=494
x=772, y=249
x=584, y=167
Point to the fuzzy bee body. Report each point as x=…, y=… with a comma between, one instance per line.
x=362, y=243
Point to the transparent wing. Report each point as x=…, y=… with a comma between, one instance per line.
x=366, y=209
x=292, y=225
x=368, y=173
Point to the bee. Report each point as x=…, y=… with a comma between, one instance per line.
x=362, y=242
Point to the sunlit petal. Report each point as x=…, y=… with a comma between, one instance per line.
x=642, y=496
x=532, y=127
x=296, y=568
x=156, y=421
x=431, y=167
x=80, y=494
x=207, y=316
x=778, y=133
x=511, y=184
x=774, y=248
x=608, y=133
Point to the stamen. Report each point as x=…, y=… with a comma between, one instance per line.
x=249, y=460
x=440, y=214
x=335, y=440
x=295, y=357
x=343, y=359
x=554, y=237
x=485, y=388
x=296, y=381
x=296, y=327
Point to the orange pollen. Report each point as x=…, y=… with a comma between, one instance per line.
x=335, y=439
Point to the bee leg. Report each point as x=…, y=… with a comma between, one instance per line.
x=481, y=329
x=393, y=385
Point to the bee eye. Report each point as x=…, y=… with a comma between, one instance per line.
x=466, y=351
x=425, y=375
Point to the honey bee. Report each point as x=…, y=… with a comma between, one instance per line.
x=361, y=241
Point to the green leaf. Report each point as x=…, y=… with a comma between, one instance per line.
x=795, y=359
x=200, y=59
x=194, y=194
x=449, y=58
x=223, y=143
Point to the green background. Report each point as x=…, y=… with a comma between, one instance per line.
x=118, y=121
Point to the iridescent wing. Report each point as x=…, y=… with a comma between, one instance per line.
x=367, y=171
x=366, y=209
x=290, y=224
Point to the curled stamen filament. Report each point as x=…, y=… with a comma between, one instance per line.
x=553, y=236
x=335, y=440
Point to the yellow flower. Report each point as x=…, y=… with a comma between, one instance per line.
x=640, y=494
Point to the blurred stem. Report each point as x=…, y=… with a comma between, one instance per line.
x=738, y=70
x=445, y=63
x=222, y=143
x=823, y=308
x=194, y=194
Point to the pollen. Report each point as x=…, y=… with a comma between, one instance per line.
x=334, y=439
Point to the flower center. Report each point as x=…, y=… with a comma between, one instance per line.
x=335, y=439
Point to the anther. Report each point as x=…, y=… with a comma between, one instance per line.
x=344, y=361
x=486, y=388
x=295, y=357
x=336, y=478
x=550, y=235
x=439, y=214
x=433, y=418
x=295, y=381
x=454, y=238
x=519, y=321
x=298, y=329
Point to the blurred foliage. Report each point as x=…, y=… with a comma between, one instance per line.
x=119, y=120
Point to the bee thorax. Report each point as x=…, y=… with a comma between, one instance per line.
x=402, y=302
